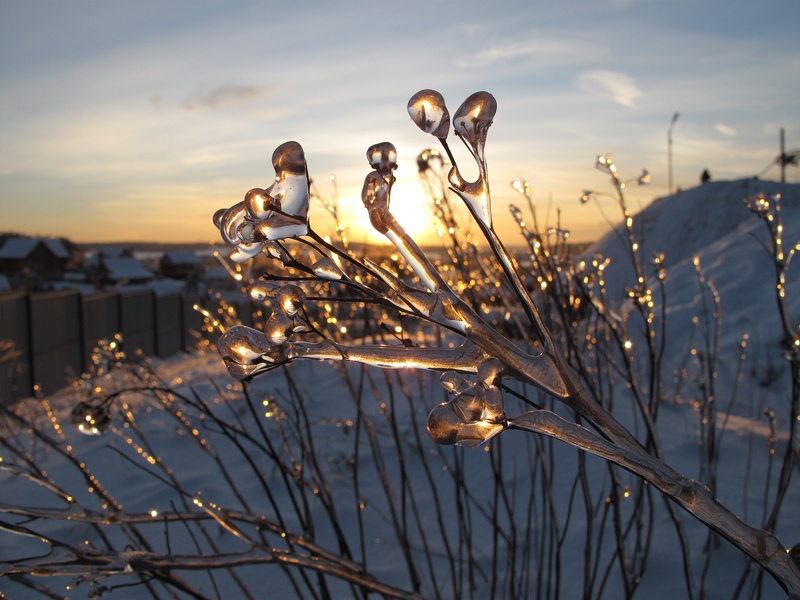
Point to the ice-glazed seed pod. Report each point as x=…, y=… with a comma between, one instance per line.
x=289, y=194
x=246, y=352
x=278, y=328
x=428, y=110
x=327, y=269
x=243, y=345
x=262, y=290
x=428, y=156
x=473, y=119
x=383, y=158
x=91, y=419
x=469, y=404
x=279, y=212
x=493, y=406
x=375, y=196
x=290, y=299
x=490, y=371
x=446, y=427
x=245, y=251
x=453, y=382
x=229, y=220
x=258, y=203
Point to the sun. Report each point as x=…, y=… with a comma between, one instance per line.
x=410, y=206
x=412, y=209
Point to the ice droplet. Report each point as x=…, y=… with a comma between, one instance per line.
x=245, y=251
x=258, y=203
x=290, y=299
x=242, y=345
x=289, y=194
x=428, y=111
x=91, y=419
x=453, y=382
x=383, y=158
x=489, y=372
x=446, y=427
x=278, y=328
x=375, y=195
x=228, y=220
x=327, y=269
x=426, y=157
x=279, y=212
x=474, y=117
x=261, y=290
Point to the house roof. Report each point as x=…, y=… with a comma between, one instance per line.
x=126, y=269
x=181, y=257
x=20, y=248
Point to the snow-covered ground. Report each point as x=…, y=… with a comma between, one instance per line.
x=378, y=473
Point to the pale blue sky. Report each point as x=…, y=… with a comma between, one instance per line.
x=137, y=119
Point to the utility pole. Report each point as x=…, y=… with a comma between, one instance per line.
x=669, y=151
x=783, y=158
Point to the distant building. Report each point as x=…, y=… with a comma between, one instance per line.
x=181, y=264
x=121, y=271
x=34, y=263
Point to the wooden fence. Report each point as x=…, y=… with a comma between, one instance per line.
x=47, y=339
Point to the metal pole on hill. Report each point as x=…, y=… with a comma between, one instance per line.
x=783, y=158
x=669, y=151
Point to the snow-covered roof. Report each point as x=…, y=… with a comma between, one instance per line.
x=182, y=257
x=20, y=248
x=121, y=269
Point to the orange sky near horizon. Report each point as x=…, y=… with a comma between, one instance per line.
x=136, y=121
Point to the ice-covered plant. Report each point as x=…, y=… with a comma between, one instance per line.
x=478, y=360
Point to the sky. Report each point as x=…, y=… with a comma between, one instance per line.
x=136, y=120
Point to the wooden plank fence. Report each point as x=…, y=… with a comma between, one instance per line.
x=47, y=339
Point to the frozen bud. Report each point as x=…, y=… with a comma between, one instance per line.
x=290, y=299
x=606, y=163
x=242, y=345
x=325, y=268
x=217, y=219
x=245, y=251
x=426, y=156
x=278, y=328
x=758, y=204
x=228, y=221
x=446, y=427
x=493, y=407
x=429, y=112
x=522, y=186
x=443, y=424
x=261, y=290
x=91, y=419
x=375, y=195
x=468, y=404
x=383, y=158
x=274, y=250
x=474, y=117
x=258, y=203
x=453, y=382
x=289, y=158
x=490, y=371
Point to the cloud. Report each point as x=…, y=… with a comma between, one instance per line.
x=540, y=47
x=620, y=87
x=725, y=129
x=223, y=96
